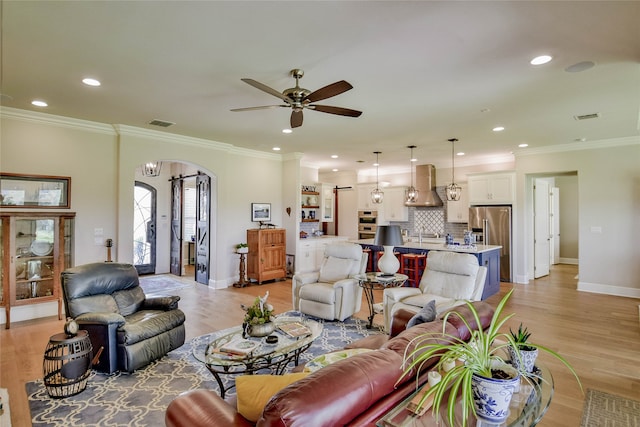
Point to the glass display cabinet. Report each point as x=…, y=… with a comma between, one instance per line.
x=36, y=248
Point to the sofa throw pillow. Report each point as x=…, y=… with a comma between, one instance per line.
x=254, y=391
x=426, y=314
x=334, y=269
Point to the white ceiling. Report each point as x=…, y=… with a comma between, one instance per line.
x=423, y=72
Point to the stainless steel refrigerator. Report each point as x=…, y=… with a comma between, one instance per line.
x=492, y=226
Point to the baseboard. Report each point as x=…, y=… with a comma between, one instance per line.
x=572, y=261
x=29, y=312
x=599, y=288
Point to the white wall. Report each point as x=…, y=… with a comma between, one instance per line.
x=569, y=214
x=609, y=212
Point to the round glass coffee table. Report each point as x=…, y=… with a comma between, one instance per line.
x=272, y=357
x=527, y=407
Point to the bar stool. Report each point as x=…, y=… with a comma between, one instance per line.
x=369, y=259
x=413, y=265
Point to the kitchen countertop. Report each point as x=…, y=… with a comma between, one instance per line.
x=324, y=236
x=437, y=245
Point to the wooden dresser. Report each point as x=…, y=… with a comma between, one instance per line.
x=266, y=259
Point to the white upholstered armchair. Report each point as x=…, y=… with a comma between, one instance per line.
x=450, y=278
x=333, y=292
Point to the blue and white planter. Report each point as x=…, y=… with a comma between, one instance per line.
x=493, y=396
x=527, y=357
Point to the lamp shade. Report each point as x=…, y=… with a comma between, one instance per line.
x=388, y=235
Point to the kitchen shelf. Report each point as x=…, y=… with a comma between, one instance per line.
x=310, y=220
x=310, y=207
x=311, y=193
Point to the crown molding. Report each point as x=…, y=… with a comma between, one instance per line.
x=192, y=141
x=60, y=121
x=579, y=146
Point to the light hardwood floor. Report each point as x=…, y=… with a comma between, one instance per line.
x=598, y=334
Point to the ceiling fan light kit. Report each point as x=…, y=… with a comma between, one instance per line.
x=377, y=195
x=453, y=190
x=298, y=98
x=412, y=193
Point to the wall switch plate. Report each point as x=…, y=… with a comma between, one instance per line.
x=595, y=229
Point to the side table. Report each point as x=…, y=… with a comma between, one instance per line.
x=376, y=281
x=67, y=364
x=243, y=273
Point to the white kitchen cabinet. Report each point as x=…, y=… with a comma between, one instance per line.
x=393, y=208
x=458, y=210
x=327, y=202
x=306, y=256
x=492, y=189
x=310, y=252
x=364, y=197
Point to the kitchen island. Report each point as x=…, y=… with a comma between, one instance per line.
x=488, y=256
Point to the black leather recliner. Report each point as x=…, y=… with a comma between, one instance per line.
x=107, y=301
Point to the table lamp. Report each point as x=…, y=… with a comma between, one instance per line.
x=388, y=236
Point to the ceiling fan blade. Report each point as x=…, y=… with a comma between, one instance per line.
x=264, y=107
x=296, y=119
x=336, y=110
x=267, y=89
x=328, y=91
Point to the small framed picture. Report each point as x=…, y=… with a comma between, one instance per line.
x=261, y=212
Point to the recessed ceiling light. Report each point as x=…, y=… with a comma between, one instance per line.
x=542, y=59
x=39, y=103
x=334, y=156
x=276, y=148
x=580, y=139
x=376, y=164
x=334, y=170
x=498, y=128
x=287, y=131
x=523, y=145
x=461, y=153
x=91, y=82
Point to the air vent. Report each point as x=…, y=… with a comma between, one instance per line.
x=587, y=116
x=161, y=123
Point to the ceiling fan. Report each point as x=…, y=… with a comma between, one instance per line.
x=300, y=98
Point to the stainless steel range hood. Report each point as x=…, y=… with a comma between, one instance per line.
x=426, y=185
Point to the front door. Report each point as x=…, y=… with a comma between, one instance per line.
x=144, y=228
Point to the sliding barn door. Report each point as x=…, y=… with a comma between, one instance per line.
x=176, y=228
x=203, y=209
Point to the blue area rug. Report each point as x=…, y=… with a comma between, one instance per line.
x=140, y=399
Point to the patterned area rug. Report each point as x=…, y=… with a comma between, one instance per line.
x=608, y=410
x=140, y=399
x=162, y=285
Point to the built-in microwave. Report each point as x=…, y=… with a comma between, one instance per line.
x=367, y=224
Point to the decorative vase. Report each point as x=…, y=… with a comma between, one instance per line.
x=492, y=396
x=528, y=358
x=260, y=330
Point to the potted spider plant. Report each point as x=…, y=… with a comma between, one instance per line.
x=523, y=355
x=484, y=381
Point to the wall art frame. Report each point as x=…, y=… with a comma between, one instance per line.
x=261, y=212
x=34, y=191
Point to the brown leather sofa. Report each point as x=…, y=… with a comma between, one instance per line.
x=356, y=391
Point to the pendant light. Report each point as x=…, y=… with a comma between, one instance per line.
x=377, y=195
x=151, y=169
x=454, y=191
x=412, y=193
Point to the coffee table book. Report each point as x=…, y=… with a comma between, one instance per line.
x=240, y=347
x=295, y=329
